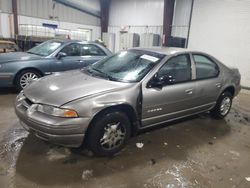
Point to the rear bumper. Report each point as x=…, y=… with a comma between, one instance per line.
x=67, y=132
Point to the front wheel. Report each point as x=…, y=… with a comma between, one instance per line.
x=109, y=133
x=223, y=105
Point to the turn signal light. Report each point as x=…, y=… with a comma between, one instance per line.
x=70, y=113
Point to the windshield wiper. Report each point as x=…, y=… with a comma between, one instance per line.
x=33, y=53
x=104, y=74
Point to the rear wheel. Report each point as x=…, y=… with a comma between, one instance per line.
x=25, y=77
x=109, y=133
x=223, y=105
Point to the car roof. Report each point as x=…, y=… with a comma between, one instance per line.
x=164, y=50
x=65, y=41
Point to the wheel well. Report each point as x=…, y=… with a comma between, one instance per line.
x=125, y=108
x=34, y=69
x=230, y=89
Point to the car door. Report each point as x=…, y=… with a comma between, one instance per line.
x=208, y=80
x=91, y=53
x=71, y=60
x=172, y=100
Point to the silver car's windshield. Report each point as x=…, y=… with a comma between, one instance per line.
x=45, y=48
x=126, y=66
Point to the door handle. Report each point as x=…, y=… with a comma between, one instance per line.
x=218, y=85
x=189, y=91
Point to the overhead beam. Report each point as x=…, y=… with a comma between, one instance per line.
x=105, y=5
x=167, y=19
x=15, y=16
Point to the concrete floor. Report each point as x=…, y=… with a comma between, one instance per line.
x=194, y=152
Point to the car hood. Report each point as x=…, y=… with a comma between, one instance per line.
x=17, y=56
x=62, y=88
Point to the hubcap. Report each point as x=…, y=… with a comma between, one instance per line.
x=225, y=106
x=27, y=78
x=114, y=135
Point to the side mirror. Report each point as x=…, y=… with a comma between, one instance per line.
x=160, y=81
x=60, y=55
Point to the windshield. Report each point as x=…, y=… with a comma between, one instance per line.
x=45, y=48
x=126, y=66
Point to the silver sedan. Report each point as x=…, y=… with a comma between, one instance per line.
x=102, y=105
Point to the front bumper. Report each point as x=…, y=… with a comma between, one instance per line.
x=67, y=132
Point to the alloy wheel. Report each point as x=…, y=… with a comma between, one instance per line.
x=113, y=137
x=225, y=105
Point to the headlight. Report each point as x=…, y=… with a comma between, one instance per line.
x=59, y=112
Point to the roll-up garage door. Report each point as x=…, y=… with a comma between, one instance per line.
x=222, y=28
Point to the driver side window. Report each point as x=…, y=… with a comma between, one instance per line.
x=177, y=68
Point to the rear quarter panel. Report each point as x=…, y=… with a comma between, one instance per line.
x=231, y=79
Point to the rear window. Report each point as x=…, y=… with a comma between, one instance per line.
x=205, y=67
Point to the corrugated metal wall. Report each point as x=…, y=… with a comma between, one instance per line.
x=93, y=4
x=37, y=12
x=146, y=16
x=25, y=20
x=47, y=9
x=6, y=26
x=137, y=16
x=6, y=6
x=148, y=12
x=136, y=12
x=181, y=18
x=133, y=29
x=44, y=9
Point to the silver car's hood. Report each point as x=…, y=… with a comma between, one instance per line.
x=64, y=87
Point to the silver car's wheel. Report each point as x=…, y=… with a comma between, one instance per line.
x=109, y=133
x=27, y=78
x=113, y=137
x=225, y=105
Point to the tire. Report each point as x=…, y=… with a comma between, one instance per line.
x=225, y=100
x=106, y=130
x=29, y=74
